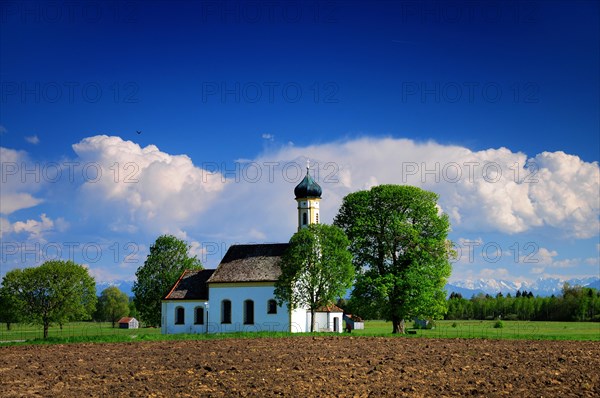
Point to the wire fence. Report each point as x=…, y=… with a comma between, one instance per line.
x=23, y=332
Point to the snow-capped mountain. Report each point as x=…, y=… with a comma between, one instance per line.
x=467, y=288
x=541, y=286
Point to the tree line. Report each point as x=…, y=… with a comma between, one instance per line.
x=575, y=303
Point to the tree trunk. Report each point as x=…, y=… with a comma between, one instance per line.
x=46, y=325
x=395, y=326
x=7, y=325
x=113, y=323
x=312, y=320
x=398, y=325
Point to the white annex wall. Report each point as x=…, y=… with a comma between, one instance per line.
x=326, y=322
x=299, y=318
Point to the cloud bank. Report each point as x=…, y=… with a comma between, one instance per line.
x=122, y=189
x=493, y=190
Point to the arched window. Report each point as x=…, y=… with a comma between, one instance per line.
x=179, y=316
x=304, y=219
x=225, y=311
x=198, y=316
x=271, y=307
x=248, y=312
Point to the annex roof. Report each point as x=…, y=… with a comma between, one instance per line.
x=250, y=263
x=191, y=285
x=329, y=308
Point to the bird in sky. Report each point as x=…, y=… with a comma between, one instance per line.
x=138, y=131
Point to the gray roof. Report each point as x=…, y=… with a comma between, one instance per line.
x=250, y=263
x=191, y=285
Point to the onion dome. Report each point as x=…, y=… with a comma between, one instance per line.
x=308, y=188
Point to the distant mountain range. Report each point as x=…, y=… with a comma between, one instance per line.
x=467, y=288
x=539, y=287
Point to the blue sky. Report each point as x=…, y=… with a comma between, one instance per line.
x=494, y=106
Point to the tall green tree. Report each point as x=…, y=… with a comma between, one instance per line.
x=168, y=258
x=316, y=269
x=55, y=292
x=133, y=312
x=400, y=248
x=113, y=305
x=9, y=308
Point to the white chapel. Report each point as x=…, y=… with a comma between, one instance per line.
x=238, y=296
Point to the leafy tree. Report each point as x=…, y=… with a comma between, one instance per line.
x=401, y=252
x=113, y=305
x=316, y=268
x=55, y=292
x=9, y=308
x=364, y=308
x=168, y=258
x=133, y=312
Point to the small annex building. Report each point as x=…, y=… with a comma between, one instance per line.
x=128, y=323
x=328, y=319
x=238, y=296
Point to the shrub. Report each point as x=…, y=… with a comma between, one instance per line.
x=454, y=324
x=499, y=324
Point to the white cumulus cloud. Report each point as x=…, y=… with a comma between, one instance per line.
x=21, y=179
x=36, y=229
x=144, y=187
x=492, y=190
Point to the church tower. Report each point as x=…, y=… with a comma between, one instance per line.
x=308, y=195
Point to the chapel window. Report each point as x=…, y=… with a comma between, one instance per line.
x=248, y=312
x=272, y=307
x=198, y=316
x=225, y=311
x=179, y=316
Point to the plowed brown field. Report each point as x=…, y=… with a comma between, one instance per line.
x=304, y=367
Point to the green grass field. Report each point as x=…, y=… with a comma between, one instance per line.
x=103, y=332
x=80, y=330
x=485, y=329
